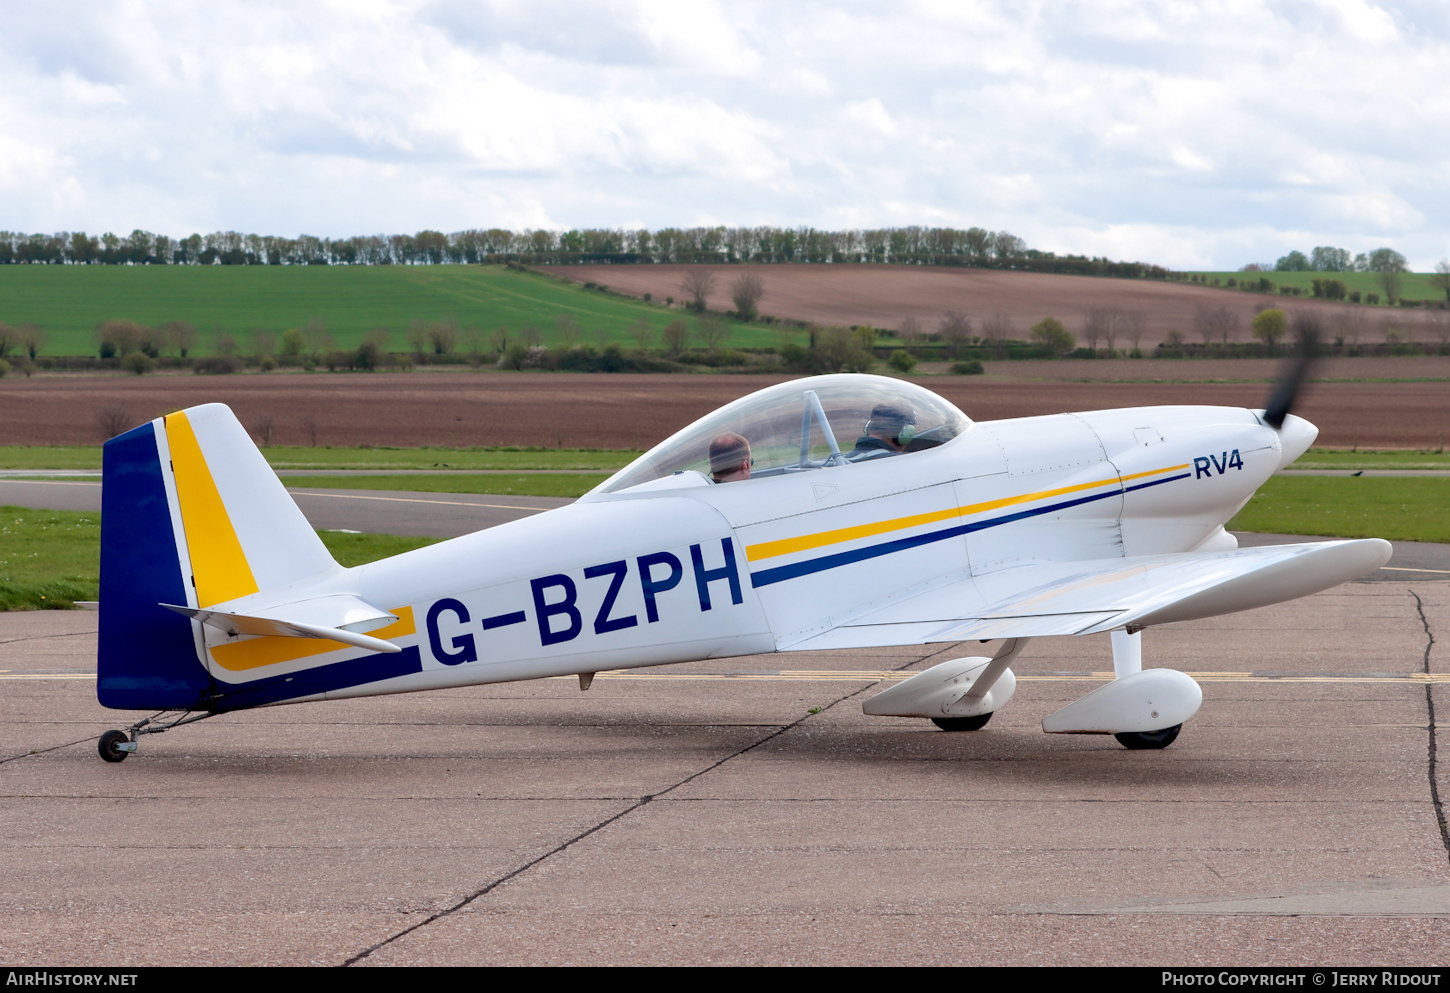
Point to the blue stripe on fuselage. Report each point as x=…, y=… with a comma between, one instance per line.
x=780, y=574
x=322, y=679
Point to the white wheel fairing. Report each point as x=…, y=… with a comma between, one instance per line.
x=1150, y=700
x=941, y=692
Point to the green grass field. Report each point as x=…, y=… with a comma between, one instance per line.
x=1413, y=285
x=69, y=301
x=1400, y=508
x=51, y=558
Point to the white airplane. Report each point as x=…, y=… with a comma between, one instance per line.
x=759, y=528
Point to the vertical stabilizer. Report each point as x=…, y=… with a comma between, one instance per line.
x=191, y=515
x=244, y=531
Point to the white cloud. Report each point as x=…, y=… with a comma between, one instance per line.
x=84, y=93
x=870, y=113
x=697, y=36
x=1204, y=134
x=1370, y=22
x=1372, y=211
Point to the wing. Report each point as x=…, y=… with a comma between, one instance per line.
x=1088, y=597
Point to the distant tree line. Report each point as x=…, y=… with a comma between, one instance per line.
x=1327, y=258
x=976, y=247
x=1386, y=263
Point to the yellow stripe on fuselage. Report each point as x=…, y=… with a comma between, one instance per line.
x=785, y=546
x=257, y=652
x=218, y=563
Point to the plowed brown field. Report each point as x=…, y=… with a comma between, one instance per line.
x=629, y=411
x=884, y=295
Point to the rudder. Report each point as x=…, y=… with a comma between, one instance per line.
x=147, y=655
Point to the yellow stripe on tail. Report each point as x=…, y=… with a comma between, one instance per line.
x=219, y=566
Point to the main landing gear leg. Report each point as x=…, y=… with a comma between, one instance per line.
x=114, y=746
x=1128, y=659
x=981, y=686
x=1127, y=653
x=956, y=695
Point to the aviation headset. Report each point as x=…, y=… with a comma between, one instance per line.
x=897, y=420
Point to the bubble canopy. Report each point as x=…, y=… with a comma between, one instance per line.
x=824, y=423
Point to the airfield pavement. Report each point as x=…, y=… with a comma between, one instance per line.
x=424, y=515
x=703, y=814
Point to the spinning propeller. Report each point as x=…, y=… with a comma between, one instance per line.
x=1282, y=399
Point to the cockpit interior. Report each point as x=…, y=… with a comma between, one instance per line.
x=805, y=425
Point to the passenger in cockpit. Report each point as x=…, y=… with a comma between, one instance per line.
x=888, y=432
x=730, y=459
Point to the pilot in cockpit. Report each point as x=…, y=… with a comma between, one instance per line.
x=730, y=459
x=891, y=428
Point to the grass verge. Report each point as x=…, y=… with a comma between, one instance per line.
x=1344, y=458
x=560, y=485
x=1405, y=508
x=51, y=558
x=357, y=549
x=48, y=558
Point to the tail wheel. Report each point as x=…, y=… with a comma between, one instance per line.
x=1148, y=739
x=109, y=746
x=964, y=723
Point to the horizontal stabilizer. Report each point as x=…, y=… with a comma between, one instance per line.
x=340, y=617
x=1089, y=597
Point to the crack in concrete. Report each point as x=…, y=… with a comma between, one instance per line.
x=927, y=657
x=42, y=751
x=557, y=849
x=43, y=637
x=1430, y=706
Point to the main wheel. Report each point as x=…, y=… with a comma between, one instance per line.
x=107, y=746
x=963, y=723
x=1148, y=739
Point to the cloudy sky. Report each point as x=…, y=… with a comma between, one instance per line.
x=1201, y=134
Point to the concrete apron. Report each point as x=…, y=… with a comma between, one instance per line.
x=704, y=814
